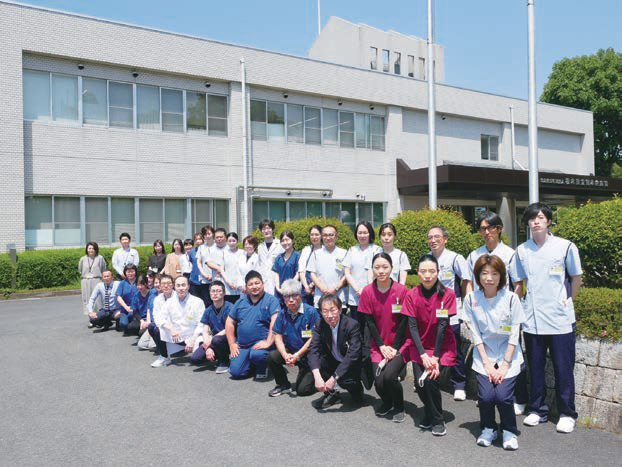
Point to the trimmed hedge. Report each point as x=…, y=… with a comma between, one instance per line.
x=300, y=229
x=599, y=313
x=7, y=271
x=596, y=229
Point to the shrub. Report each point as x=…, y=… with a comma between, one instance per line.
x=300, y=229
x=412, y=228
x=7, y=271
x=596, y=229
x=599, y=313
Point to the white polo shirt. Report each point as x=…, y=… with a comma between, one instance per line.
x=329, y=269
x=451, y=266
x=504, y=252
x=548, y=307
x=359, y=262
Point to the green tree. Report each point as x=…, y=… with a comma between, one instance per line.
x=593, y=82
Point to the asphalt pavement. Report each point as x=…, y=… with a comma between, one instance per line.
x=71, y=396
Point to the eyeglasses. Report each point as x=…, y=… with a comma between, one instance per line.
x=328, y=235
x=290, y=297
x=434, y=237
x=488, y=228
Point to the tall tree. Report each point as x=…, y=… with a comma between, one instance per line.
x=593, y=82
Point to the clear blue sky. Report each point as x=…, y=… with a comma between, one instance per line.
x=485, y=40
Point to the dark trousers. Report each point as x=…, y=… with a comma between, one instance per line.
x=458, y=372
x=430, y=395
x=202, y=291
x=367, y=371
x=388, y=385
x=134, y=328
x=562, y=349
x=350, y=381
x=125, y=319
x=496, y=395
x=104, y=318
x=305, y=382
x=219, y=345
x=154, y=332
x=195, y=290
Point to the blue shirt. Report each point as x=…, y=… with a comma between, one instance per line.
x=194, y=275
x=142, y=305
x=292, y=328
x=216, y=322
x=253, y=319
x=286, y=269
x=127, y=291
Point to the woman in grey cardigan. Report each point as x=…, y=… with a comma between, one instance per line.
x=91, y=267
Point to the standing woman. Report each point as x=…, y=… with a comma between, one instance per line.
x=172, y=266
x=194, y=280
x=156, y=261
x=494, y=315
x=249, y=261
x=91, y=267
x=268, y=251
x=315, y=237
x=286, y=264
x=205, y=272
x=231, y=275
x=429, y=307
x=401, y=265
x=380, y=305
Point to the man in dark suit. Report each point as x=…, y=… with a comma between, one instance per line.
x=335, y=354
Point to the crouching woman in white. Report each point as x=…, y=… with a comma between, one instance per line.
x=180, y=320
x=494, y=315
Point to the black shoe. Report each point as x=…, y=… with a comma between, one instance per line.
x=439, y=430
x=383, y=409
x=90, y=325
x=328, y=399
x=280, y=390
x=399, y=417
x=425, y=424
x=117, y=326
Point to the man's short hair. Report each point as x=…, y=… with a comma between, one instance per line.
x=330, y=298
x=217, y=283
x=441, y=228
x=125, y=234
x=534, y=209
x=291, y=287
x=266, y=222
x=252, y=274
x=105, y=271
x=166, y=277
x=180, y=277
x=220, y=230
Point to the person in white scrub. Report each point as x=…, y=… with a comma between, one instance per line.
x=401, y=264
x=268, y=251
x=326, y=267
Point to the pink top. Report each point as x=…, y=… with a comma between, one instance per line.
x=424, y=309
x=380, y=305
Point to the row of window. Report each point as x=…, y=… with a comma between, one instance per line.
x=294, y=123
x=350, y=213
x=397, y=62
x=72, y=221
x=100, y=102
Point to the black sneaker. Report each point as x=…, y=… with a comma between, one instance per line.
x=425, y=424
x=383, y=409
x=439, y=430
x=280, y=390
x=399, y=417
x=328, y=399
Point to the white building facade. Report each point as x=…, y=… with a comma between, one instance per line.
x=108, y=127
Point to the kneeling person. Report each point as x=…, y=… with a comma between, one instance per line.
x=107, y=291
x=214, y=345
x=292, y=334
x=335, y=354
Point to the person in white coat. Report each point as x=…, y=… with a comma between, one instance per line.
x=268, y=251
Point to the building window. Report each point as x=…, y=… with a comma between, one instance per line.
x=94, y=102
x=422, y=67
x=386, y=56
x=120, y=105
x=258, y=120
x=196, y=111
x=172, y=110
x=276, y=121
x=346, y=129
x=147, y=107
x=362, y=130
x=313, y=126
x=151, y=220
x=330, y=127
x=217, y=115
x=122, y=213
x=397, y=63
x=64, y=98
x=373, y=58
x=36, y=95
x=411, y=66
x=490, y=147
x=377, y=133
x=66, y=221
x=39, y=227
x=96, y=220
x=295, y=128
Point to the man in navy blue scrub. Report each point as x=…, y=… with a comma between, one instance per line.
x=251, y=319
x=292, y=330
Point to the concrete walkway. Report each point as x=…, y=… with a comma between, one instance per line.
x=73, y=397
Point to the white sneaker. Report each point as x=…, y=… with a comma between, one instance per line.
x=487, y=437
x=566, y=424
x=510, y=442
x=459, y=395
x=519, y=409
x=220, y=369
x=161, y=361
x=533, y=419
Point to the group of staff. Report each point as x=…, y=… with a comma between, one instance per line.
x=346, y=320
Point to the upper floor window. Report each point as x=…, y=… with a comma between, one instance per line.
x=411, y=66
x=373, y=58
x=397, y=63
x=490, y=147
x=386, y=56
x=120, y=105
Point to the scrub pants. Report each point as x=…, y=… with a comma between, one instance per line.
x=562, y=349
x=104, y=318
x=458, y=372
x=430, y=395
x=154, y=332
x=496, y=395
x=134, y=328
x=305, y=382
x=240, y=366
x=387, y=384
x=219, y=345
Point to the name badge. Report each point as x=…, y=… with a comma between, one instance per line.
x=306, y=333
x=556, y=271
x=339, y=265
x=89, y=275
x=190, y=318
x=505, y=329
x=442, y=313
x=447, y=275
x=396, y=308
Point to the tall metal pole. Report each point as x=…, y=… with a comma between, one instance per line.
x=512, y=135
x=533, y=116
x=431, y=112
x=245, y=214
x=319, y=21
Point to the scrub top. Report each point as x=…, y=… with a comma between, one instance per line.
x=216, y=322
x=508, y=256
x=296, y=331
x=329, y=268
x=359, y=262
x=400, y=263
x=453, y=270
x=253, y=320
